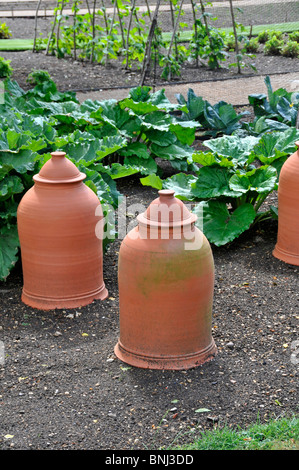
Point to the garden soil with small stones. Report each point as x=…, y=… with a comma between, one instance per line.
x=62, y=387
x=86, y=76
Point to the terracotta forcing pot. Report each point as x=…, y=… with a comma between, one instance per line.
x=61, y=255
x=166, y=283
x=287, y=246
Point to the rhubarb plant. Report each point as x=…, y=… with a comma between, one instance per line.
x=106, y=140
x=232, y=182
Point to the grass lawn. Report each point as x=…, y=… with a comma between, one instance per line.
x=280, y=434
x=16, y=44
x=185, y=36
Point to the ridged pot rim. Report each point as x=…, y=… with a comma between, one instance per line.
x=71, y=172
x=166, y=196
x=40, y=179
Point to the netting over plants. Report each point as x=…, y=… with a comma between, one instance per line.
x=163, y=35
x=247, y=12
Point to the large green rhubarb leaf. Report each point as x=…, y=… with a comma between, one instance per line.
x=9, y=245
x=9, y=186
x=116, y=171
x=261, y=180
x=92, y=151
x=137, y=149
x=181, y=184
x=233, y=147
x=161, y=138
x=176, y=151
x=103, y=185
x=141, y=101
x=146, y=166
x=276, y=145
x=152, y=180
x=211, y=159
x=213, y=182
x=184, y=130
x=221, y=226
x=22, y=161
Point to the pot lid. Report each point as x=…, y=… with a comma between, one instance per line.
x=59, y=169
x=167, y=211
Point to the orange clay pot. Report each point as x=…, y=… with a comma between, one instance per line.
x=287, y=246
x=166, y=283
x=61, y=254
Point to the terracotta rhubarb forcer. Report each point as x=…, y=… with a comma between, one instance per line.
x=166, y=283
x=61, y=254
x=287, y=246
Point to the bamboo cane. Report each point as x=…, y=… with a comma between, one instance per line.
x=174, y=33
x=147, y=56
x=195, y=30
x=59, y=21
x=148, y=10
x=105, y=16
x=53, y=27
x=74, y=28
x=121, y=25
x=235, y=35
x=203, y=11
x=35, y=26
x=93, y=29
x=110, y=31
x=128, y=33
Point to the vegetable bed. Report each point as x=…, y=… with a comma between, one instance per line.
x=61, y=385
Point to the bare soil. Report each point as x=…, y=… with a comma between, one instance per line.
x=62, y=388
